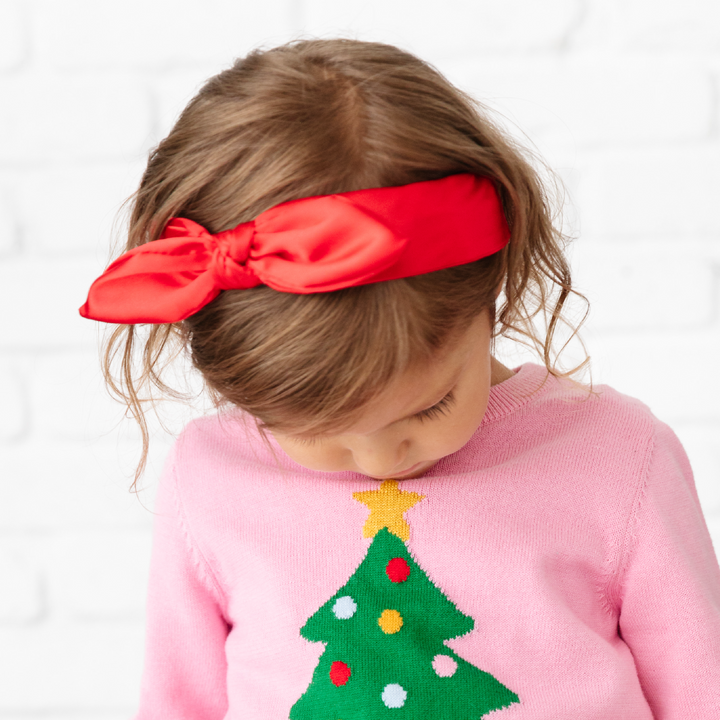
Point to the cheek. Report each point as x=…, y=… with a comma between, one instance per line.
x=459, y=428
x=321, y=457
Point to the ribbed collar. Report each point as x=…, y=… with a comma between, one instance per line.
x=529, y=382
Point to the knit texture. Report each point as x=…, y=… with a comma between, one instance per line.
x=557, y=566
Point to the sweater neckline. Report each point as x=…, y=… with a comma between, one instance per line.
x=529, y=382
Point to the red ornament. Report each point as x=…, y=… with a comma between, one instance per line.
x=398, y=570
x=339, y=673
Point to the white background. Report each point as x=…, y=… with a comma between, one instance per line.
x=622, y=97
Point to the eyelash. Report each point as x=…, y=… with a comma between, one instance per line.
x=306, y=440
x=440, y=408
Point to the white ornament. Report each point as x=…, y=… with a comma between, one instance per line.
x=394, y=696
x=344, y=608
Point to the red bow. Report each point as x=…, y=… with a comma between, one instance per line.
x=315, y=244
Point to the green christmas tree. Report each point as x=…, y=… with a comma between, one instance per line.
x=385, y=631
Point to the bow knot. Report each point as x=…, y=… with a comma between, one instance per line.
x=230, y=253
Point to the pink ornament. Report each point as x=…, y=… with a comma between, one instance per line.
x=444, y=665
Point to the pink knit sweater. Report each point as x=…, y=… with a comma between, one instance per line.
x=558, y=567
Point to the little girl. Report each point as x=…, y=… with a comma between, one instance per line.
x=382, y=520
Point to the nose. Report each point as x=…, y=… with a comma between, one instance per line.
x=380, y=457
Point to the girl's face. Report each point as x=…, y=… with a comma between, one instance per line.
x=421, y=417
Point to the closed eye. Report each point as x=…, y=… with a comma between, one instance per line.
x=307, y=440
x=440, y=408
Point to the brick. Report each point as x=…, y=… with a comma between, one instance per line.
x=714, y=528
x=9, y=236
x=173, y=91
x=71, y=666
x=68, y=117
x=19, y=570
x=14, y=35
x=459, y=28
x=587, y=100
x=70, y=402
x=99, y=574
x=142, y=33
x=627, y=285
x=60, y=486
x=668, y=371
x=654, y=194
x=701, y=444
x=14, y=418
x=75, y=208
x=643, y=25
x=672, y=25
x=45, y=295
x=713, y=523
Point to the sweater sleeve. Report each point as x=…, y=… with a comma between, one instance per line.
x=670, y=594
x=184, y=676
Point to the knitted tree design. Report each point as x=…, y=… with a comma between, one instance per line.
x=384, y=631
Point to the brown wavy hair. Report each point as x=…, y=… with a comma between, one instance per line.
x=316, y=117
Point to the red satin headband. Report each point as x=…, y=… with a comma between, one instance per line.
x=311, y=245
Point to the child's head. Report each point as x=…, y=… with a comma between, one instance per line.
x=424, y=414
x=320, y=117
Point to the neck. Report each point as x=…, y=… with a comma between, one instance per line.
x=498, y=372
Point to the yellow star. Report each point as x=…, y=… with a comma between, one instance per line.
x=387, y=505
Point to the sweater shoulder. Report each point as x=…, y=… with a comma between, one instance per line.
x=601, y=407
x=215, y=452
x=561, y=423
x=538, y=400
x=219, y=435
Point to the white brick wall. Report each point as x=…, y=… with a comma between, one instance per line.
x=83, y=34
x=454, y=28
x=622, y=98
x=14, y=34
x=50, y=117
x=51, y=199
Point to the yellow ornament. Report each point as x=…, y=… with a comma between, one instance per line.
x=390, y=621
x=387, y=505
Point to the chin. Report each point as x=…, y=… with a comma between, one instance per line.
x=424, y=467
